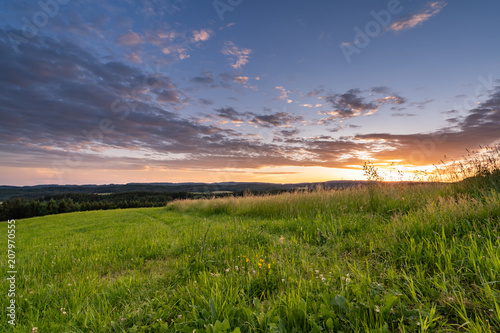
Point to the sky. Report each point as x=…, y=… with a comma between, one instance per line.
x=236, y=90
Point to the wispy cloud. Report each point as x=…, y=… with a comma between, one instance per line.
x=129, y=39
x=414, y=19
x=239, y=56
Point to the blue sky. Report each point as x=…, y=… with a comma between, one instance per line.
x=276, y=91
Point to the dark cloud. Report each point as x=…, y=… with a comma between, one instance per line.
x=205, y=101
x=422, y=105
x=403, y=115
x=205, y=78
x=348, y=105
x=289, y=133
x=381, y=90
x=355, y=103
x=315, y=92
x=278, y=119
x=230, y=113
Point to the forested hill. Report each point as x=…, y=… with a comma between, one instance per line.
x=30, y=192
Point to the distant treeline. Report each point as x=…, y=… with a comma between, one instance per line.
x=18, y=208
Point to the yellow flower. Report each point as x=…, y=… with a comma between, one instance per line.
x=260, y=264
x=268, y=265
x=247, y=259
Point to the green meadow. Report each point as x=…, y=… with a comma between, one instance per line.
x=381, y=258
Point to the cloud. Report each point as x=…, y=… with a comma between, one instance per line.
x=356, y=102
x=391, y=99
x=403, y=115
x=289, y=133
x=315, y=92
x=231, y=114
x=201, y=35
x=381, y=90
x=205, y=78
x=240, y=79
x=129, y=39
x=414, y=19
x=135, y=57
x=168, y=96
x=283, y=93
x=238, y=56
x=279, y=119
x=349, y=105
x=204, y=101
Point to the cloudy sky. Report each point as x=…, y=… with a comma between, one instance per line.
x=96, y=92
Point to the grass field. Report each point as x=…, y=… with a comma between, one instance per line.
x=383, y=258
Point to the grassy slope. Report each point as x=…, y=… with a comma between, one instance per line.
x=411, y=258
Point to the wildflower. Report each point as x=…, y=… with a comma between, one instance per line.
x=254, y=271
x=31, y=292
x=180, y=316
x=159, y=319
x=377, y=309
x=247, y=260
x=34, y=330
x=227, y=270
x=69, y=284
x=347, y=280
x=260, y=264
x=64, y=312
x=283, y=280
x=236, y=268
x=281, y=240
x=268, y=265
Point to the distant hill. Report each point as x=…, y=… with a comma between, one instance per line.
x=9, y=192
